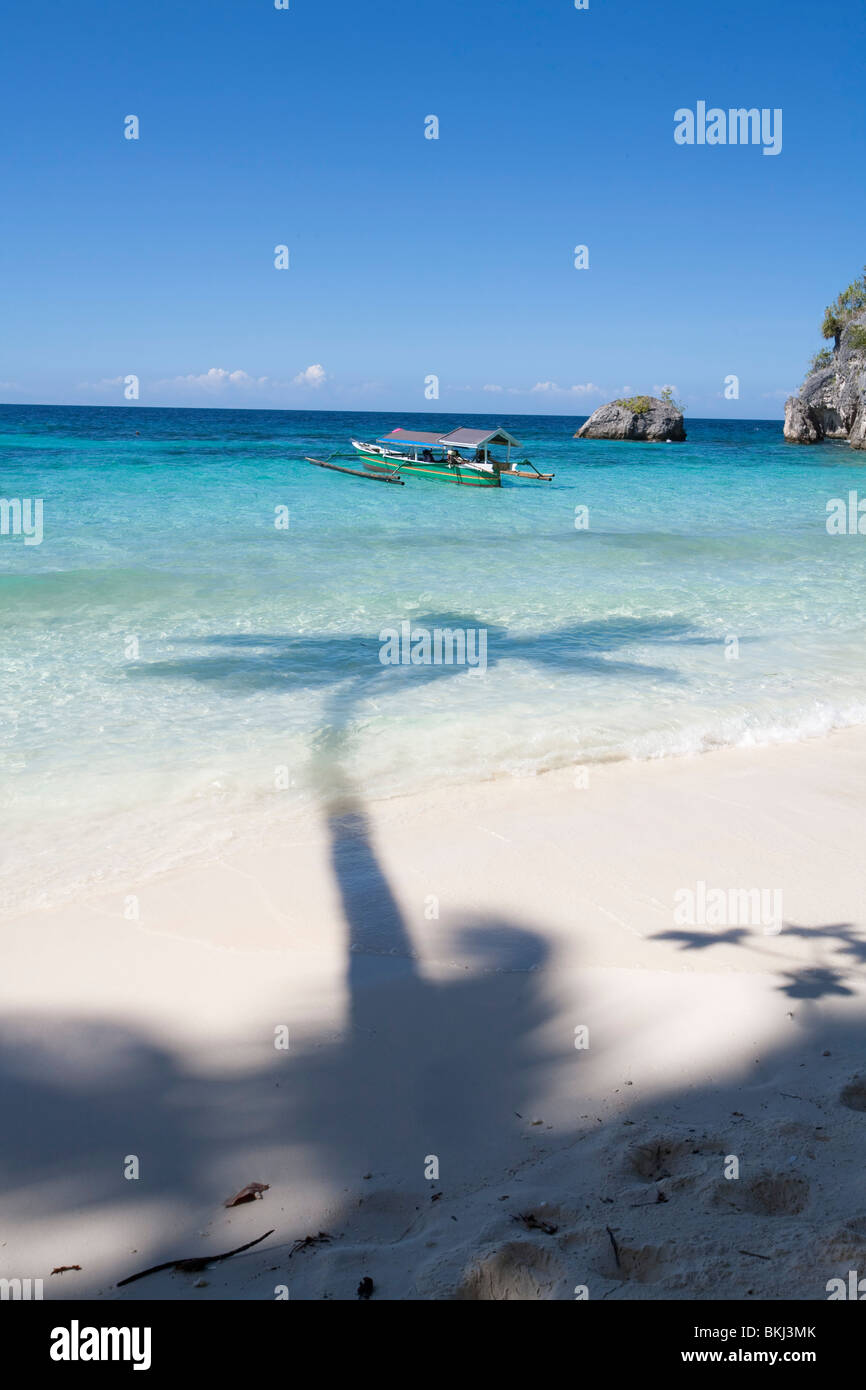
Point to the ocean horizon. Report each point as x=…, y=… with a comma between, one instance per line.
x=193, y=648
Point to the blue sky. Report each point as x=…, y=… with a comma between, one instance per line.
x=412, y=257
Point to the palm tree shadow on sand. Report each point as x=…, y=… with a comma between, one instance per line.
x=427, y=1069
x=430, y=1072
x=445, y=1067
x=443, y=1062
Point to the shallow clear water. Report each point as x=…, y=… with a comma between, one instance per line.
x=178, y=672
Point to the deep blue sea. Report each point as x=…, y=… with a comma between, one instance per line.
x=179, y=672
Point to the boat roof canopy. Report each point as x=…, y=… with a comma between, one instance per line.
x=411, y=437
x=458, y=439
x=475, y=439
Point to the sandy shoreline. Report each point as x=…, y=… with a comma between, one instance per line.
x=431, y=959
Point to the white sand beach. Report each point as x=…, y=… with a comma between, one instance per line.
x=432, y=960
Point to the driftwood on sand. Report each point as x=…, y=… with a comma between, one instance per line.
x=195, y=1264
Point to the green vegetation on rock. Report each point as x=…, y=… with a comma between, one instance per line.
x=638, y=405
x=823, y=358
x=668, y=397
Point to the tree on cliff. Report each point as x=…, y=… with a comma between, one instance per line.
x=850, y=302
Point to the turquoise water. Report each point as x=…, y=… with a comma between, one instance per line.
x=179, y=673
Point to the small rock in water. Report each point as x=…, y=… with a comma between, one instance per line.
x=645, y=418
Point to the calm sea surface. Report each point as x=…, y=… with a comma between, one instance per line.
x=180, y=673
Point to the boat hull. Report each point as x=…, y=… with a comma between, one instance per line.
x=433, y=472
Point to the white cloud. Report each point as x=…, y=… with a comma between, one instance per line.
x=100, y=385
x=219, y=381
x=311, y=376
x=213, y=381
x=588, y=388
x=491, y=388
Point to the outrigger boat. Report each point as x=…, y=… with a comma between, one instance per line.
x=463, y=456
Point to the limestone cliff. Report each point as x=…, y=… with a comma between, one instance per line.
x=831, y=403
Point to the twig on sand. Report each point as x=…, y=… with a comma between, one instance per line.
x=754, y=1254
x=614, y=1244
x=307, y=1241
x=659, y=1197
x=194, y=1265
x=533, y=1223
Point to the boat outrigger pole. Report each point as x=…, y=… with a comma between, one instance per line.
x=355, y=472
x=536, y=475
